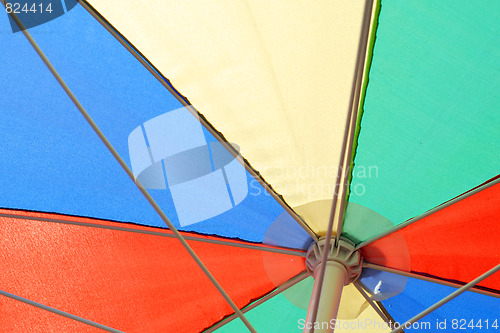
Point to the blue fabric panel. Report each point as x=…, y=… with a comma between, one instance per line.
x=456, y=314
x=51, y=159
x=285, y=232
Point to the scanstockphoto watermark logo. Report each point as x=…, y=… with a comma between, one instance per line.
x=298, y=180
x=453, y=324
x=32, y=13
x=369, y=325
x=170, y=153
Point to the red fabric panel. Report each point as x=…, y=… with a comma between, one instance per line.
x=129, y=281
x=457, y=243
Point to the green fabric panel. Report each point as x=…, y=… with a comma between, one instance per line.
x=431, y=125
x=279, y=314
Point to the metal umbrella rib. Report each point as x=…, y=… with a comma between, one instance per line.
x=337, y=213
x=285, y=286
x=426, y=278
x=183, y=100
x=436, y=209
x=161, y=233
x=447, y=299
x=59, y=312
x=129, y=172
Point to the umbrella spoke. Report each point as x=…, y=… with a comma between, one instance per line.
x=183, y=100
x=288, y=284
x=162, y=233
x=489, y=183
x=388, y=315
x=129, y=172
x=447, y=299
x=427, y=278
x=373, y=305
x=58, y=312
x=340, y=192
x=377, y=306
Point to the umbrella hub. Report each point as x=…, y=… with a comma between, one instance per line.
x=343, y=252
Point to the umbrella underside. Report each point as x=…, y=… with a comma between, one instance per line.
x=79, y=237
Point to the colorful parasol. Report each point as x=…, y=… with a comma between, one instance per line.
x=262, y=166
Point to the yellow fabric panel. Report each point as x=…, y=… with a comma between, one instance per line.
x=354, y=305
x=316, y=213
x=273, y=76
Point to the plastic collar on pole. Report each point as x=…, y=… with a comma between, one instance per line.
x=344, y=265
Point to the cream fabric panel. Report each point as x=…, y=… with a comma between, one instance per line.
x=273, y=76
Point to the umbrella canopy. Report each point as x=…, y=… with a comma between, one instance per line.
x=240, y=124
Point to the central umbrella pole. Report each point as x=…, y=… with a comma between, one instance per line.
x=343, y=266
x=333, y=284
